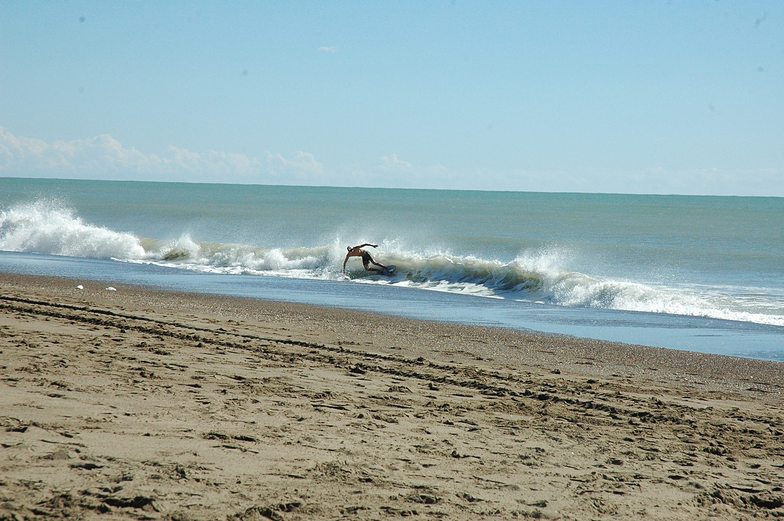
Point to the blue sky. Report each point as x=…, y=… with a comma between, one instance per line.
x=640, y=97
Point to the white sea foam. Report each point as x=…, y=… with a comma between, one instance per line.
x=183, y=248
x=46, y=227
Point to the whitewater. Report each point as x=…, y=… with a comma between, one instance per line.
x=717, y=258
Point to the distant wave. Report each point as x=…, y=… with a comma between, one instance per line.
x=47, y=227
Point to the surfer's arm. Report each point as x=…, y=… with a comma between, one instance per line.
x=367, y=244
x=344, y=263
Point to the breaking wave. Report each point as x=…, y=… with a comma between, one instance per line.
x=46, y=227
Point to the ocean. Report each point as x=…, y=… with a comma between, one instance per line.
x=683, y=272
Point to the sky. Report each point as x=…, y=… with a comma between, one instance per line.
x=568, y=96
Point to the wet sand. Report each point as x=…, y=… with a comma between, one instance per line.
x=141, y=404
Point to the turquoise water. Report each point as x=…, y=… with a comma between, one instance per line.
x=670, y=257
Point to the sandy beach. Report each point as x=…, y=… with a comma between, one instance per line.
x=141, y=404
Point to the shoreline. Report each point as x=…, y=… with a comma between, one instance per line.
x=612, y=353
x=152, y=404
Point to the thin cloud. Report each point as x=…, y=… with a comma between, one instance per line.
x=328, y=49
x=104, y=156
x=301, y=164
x=32, y=155
x=394, y=162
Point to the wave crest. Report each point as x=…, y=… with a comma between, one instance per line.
x=48, y=228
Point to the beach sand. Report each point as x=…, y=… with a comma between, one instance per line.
x=142, y=404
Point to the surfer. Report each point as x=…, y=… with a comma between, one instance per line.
x=367, y=260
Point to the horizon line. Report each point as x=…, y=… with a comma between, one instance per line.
x=360, y=187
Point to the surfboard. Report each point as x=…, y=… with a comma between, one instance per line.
x=390, y=270
x=387, y=272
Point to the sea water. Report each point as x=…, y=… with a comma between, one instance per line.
x=698, y=273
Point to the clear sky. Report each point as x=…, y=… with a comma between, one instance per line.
x=585, y=96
